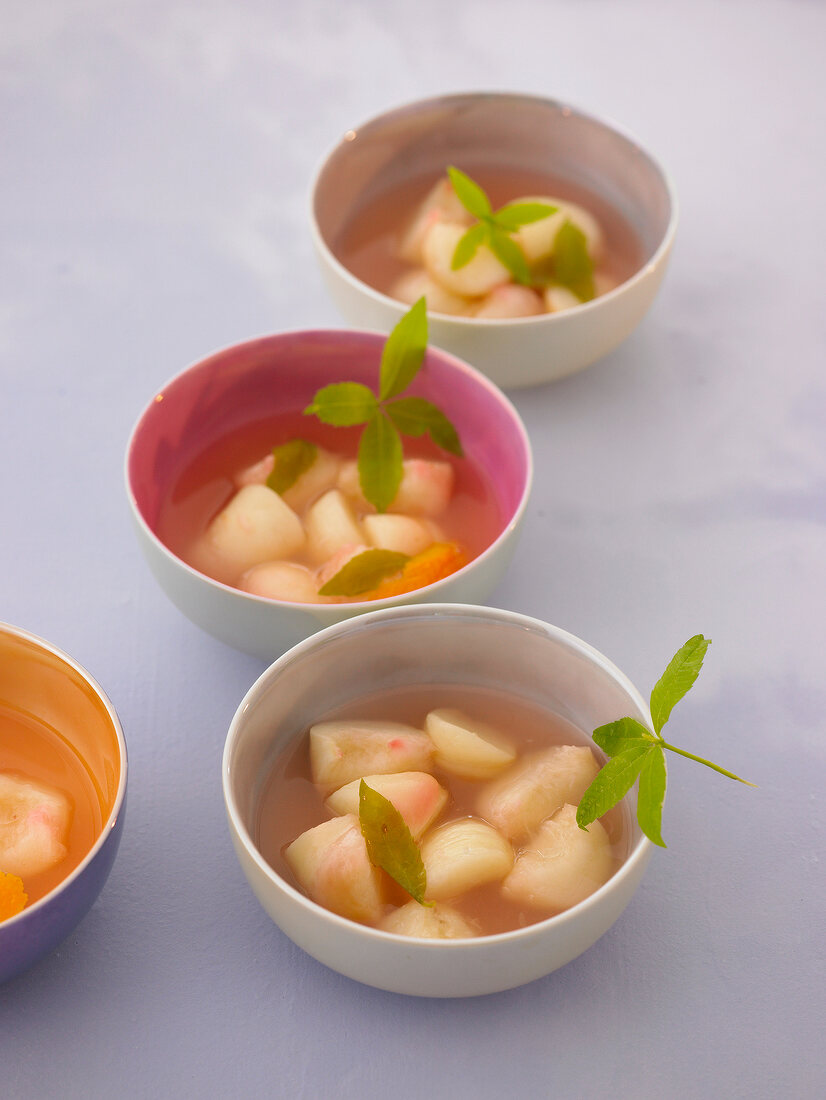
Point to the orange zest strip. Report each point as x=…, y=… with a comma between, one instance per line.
x=13, y=898
x=437, y=561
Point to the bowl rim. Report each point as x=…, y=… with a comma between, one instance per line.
x=448, y=319
x=323, y=610
x=120, y=793
x=631, y=865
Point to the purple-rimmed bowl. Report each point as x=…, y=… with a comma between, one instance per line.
x=251, y=381
x=41, y=683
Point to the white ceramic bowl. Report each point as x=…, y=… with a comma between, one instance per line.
x=428, y=644
x=251, y=381
x=507, y=131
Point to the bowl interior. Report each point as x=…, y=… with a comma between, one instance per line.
x=492, y=130
x=271, y=375
x=37, y=682
x=426, y=644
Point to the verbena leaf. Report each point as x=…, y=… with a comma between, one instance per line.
x=363, y=572
x=470, y=194
x=618, y=736
x=291, y=461
x=683, y=669
x=380, y=462
x=390, y=844
x=511, y=255
x=468, y=243
x=415, y=416
x=516, y=214
x=404, y=351
x=572, y=264
x=612, y=783
x=651, y=795
x=343, y=404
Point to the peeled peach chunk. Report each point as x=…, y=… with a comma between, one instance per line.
x=425, y=489
x=466, y=746
x=537, y=787
x=559, y=298
x=281, y=580
x=428, y=922
x=510, y=301
x=440, y=204
x=417, y=284
x=417, y=796
x=341, y=751
x=537, y=239
x=255, y=526
x=13, y=897
x=476, y=278
x=34, y=823
x=320, y=477
x=404, y=534
x=561, y=864
x=331, y=525
x=331, y=864
x=463, y=854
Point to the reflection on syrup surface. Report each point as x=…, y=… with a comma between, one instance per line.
x=289, y=802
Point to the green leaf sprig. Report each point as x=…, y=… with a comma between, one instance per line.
x=390, y=844
x=635, y=751
x=363, y=572
x=494, y=228
x=290, y=461
x=380, y=451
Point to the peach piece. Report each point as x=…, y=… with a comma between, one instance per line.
x=255, y=526
x=331, y=863
x=416, y=284
x=466, y=746
x=417, y=796
x=424, y=491
x=281, y=580
x=463, y=854
x=331, y=525
x=561, y=864
x=440, y=204
x=476, y=278
x=508, y=301
x=559, y=298
x=537, y=239
x=341, y=751
x=428, y=922
x=34, y=824
x=537, y=787
x=405, y=534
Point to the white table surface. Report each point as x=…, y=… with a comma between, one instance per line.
x=156, y=158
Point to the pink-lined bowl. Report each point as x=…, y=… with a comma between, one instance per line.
x=265, y=377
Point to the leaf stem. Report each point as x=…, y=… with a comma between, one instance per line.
x=701, y=760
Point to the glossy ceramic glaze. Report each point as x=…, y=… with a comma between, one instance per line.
x=263, y=377
x=433, y=643
x=44, y=683
x=520, y=132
